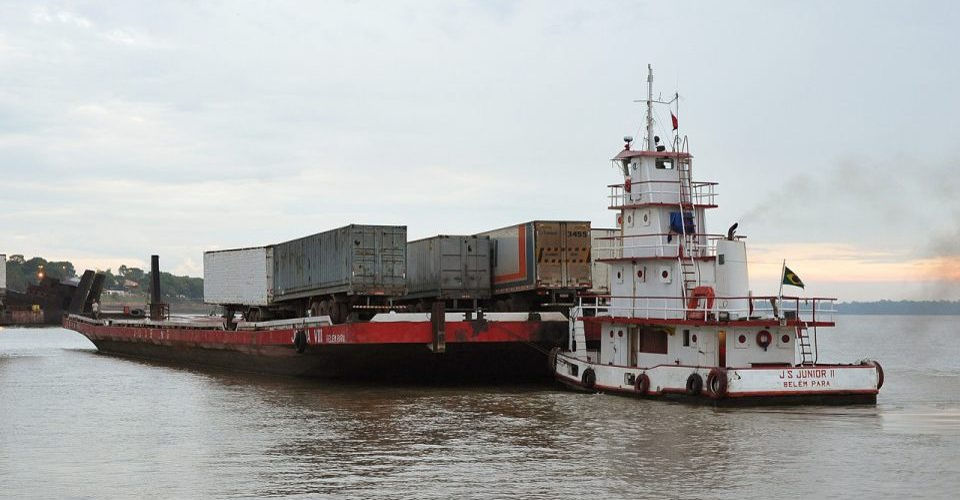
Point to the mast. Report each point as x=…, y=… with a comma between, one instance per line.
x=650, y=145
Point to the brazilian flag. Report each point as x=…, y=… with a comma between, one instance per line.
x=791, y=278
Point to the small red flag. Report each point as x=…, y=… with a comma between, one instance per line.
x=674, y=118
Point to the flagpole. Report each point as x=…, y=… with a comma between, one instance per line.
x=780, y=293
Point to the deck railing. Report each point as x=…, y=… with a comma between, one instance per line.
x=656, y=245
x=815, y=310
x=666, y=192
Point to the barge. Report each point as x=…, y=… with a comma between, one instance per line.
x=435, y=347
x=680, y=320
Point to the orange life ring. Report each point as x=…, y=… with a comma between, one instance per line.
x=693, y=305
x=764, y=338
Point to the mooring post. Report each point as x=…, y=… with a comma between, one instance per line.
x=438, y=317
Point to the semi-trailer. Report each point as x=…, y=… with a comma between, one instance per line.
x=346, y=273
x=450, y=268
x=539, y=264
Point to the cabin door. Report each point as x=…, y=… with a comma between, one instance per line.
x=634, y=345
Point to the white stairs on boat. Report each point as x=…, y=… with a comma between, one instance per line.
x=803, y=342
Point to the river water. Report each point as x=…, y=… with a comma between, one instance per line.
x=75, y=423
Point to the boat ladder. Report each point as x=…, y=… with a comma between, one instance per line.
x=803, y=341
x=689, y=270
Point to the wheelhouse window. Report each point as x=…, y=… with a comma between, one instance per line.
x=664, y=164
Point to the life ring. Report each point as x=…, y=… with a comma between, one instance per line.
x=643, y=383
x=717, y=383
x=300, y=341
x=589, y=378
x=694, y=384
x=764, y=338
x=879, y=368
x=694, y=311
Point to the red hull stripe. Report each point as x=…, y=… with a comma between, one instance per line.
x=352, y=333
x=671, y=390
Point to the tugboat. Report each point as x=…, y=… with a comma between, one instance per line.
x=680, y=320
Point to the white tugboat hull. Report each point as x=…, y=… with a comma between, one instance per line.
x=766, y=385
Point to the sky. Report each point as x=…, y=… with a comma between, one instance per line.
x=134, y=128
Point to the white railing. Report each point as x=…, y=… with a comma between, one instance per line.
x=814, y=310
x=666, y=192
x=656, y=245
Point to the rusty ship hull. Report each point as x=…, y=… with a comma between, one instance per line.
x=478, y=350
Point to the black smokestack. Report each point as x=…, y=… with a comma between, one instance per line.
x=154, y=279
x=158, y=310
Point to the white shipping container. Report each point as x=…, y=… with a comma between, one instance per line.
x=242, y=276
x=3, y=271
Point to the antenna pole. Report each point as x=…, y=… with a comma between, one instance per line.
x=650, y=145
x=676, y=133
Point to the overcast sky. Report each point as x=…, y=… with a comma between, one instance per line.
x=174, y=127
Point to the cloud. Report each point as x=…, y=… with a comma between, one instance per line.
x=166, y=128
x=43, y=15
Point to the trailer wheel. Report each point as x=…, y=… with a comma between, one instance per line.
x=338, y=311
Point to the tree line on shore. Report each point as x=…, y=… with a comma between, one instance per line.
x=22, y=272
x=908, y=307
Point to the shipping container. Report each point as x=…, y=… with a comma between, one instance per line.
x=352, y=260
x=541, y=256
x=599, y=238
x=242, y=276
x=449, y=267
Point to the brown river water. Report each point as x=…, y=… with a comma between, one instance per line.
x=78, y=424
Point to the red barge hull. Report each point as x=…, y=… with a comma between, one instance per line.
x=477, y=350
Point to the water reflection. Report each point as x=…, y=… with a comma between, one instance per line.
x=76, y=423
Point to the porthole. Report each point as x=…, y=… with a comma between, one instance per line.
x=665, y=274
x=742, y=339
x=611, y=333
x=693, y=338
x=640, y=273
x=620, y=333
x=785, y=339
